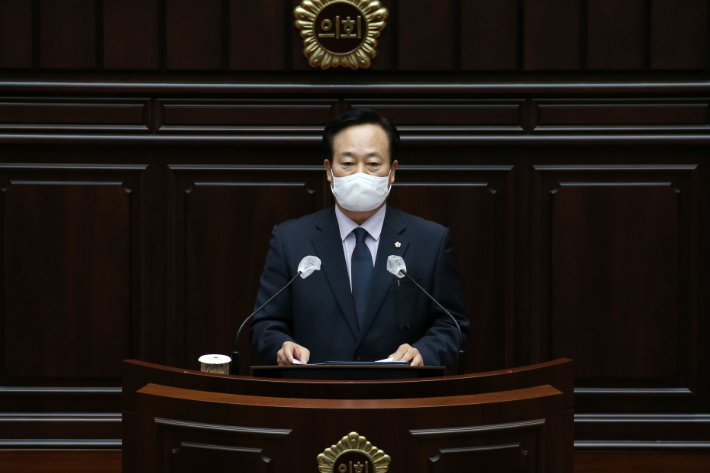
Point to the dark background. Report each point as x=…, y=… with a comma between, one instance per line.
x=147, y=148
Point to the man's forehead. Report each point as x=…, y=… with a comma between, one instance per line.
x=361, y=134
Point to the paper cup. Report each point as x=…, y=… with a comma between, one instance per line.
x=215, y=364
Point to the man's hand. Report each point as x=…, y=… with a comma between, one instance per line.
x=408, y=353
x=291, y=350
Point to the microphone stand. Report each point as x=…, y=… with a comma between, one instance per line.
x=234, y=367
x=461, y=354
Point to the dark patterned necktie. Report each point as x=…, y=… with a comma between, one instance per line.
x=361, y=273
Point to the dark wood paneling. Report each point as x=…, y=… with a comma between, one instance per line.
x=109, y=461
x=70, y=268
x=194, y=34
x=641, y=462
x=54, y=113
x=15, y=427
x=167, y=416
x=598, y=229
x=61, y=228
x=609, y=114
x=60, y=461
x=552, y=34
x=258, y=35
x=67, y=34
x=131, y=34
x=185, y=447
x=679, y=34
x=15, y=34
x=223, y=223
x=489, y=35
x=539, y=35
x=426, y=35
x=618, y=255
x=643, y=428
x=245, y=112
x=481, y=113
x=474, y=202
x=615, y=34
x=514, y=448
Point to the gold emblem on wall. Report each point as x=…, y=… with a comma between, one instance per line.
x=340, y=32
x=353, y=454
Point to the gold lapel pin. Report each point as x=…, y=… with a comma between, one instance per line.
x=398, y=245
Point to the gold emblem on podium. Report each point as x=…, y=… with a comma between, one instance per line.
x=353, y=454
x=340, y=32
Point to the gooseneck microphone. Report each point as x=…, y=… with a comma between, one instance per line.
x=306, y=267
x=396, y=266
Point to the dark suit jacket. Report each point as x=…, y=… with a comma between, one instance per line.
x=319, y=314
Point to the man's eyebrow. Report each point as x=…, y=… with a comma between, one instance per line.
x=374, y=153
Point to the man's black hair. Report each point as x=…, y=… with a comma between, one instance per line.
x=360, y=116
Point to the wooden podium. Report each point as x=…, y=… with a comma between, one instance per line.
x=354, y=372
x=505, y=421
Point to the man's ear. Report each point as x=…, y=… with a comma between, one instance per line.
x=328, y=170
x=392, y=171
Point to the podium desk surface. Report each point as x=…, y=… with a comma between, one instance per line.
x=348, y=372
x=556, y=373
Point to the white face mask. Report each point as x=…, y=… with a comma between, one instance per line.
x=360, y=192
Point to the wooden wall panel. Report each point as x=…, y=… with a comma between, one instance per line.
x=552, y=34
x=258, y=35
x=615, y=34
x=647, y=115
x=446, y=36
x=15, y=34
x=60, y=461
x=109, y=461
x=426, y=33
x=67, y=34
x=515, y=447
x=70, y=271
x=489, y=35
x=460, y=112
x=679, y=34
x=55, y=114
x=231, y=113
x=618, y=255
x=473, y=203
x=131, y=34
x=221, y=246
x=641, y=462
x=621, y=325
x=79, y=235
x=194, y=34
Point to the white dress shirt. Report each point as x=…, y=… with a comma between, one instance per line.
x=372, y=225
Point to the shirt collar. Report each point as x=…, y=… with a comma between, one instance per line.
x=373, y=225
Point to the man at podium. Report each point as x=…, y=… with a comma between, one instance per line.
x=354, y=309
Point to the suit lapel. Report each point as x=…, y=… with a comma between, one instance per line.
x=329, y=247
x=381, y=278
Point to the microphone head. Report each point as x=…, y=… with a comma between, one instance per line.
x=308, y=265
x=395, y=264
